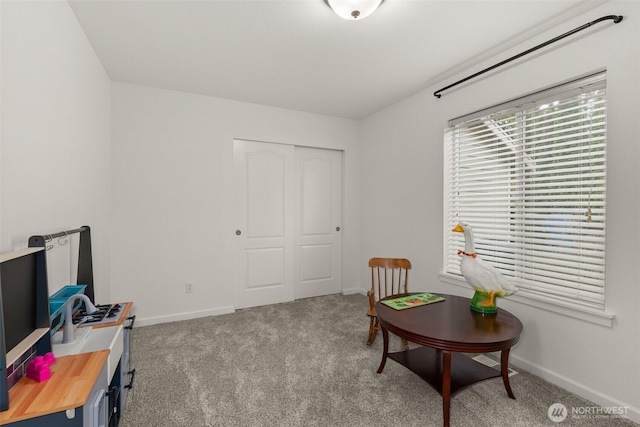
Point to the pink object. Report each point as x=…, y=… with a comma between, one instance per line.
x=38, y=369
x=49, y=358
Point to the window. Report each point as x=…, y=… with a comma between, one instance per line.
x=529, y=177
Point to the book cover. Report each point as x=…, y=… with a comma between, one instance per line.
x=415, y=300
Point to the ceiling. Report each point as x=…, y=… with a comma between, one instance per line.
x=297, y=54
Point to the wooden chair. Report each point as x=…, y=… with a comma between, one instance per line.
x=389, y=276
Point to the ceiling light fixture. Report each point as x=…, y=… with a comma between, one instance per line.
x=353, y=9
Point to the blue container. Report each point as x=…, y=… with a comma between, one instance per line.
x=67, y=291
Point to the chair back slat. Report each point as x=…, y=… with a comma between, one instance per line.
x=389, y=276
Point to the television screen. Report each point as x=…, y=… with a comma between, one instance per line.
x=18, y=282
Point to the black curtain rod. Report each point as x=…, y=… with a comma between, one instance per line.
x=60, y=234
x=615, y=18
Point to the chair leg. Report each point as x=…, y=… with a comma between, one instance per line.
x=373, y=329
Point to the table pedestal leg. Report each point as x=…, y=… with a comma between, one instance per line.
x=504, y=368
x=385, y=346
x=446, y=386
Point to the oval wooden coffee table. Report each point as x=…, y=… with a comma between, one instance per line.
x=445, y=330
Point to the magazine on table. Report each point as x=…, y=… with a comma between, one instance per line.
x=414, y=300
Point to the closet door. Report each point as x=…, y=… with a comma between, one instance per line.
x=318, y=221
x=288, y=211
x=264, y=208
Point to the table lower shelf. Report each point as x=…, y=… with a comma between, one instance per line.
x=426, y=362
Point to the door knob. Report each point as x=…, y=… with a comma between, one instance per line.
x=337, y=228
x=238, y=232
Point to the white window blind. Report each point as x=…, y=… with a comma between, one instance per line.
x=529, y=177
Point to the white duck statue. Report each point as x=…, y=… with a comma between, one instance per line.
x=485, y=279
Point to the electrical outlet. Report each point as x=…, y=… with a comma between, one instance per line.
x=188, y=287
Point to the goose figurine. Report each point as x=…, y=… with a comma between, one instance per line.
x=485, y=279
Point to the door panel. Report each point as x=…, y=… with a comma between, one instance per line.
x=265, y=181
x=316, y=203
x=315, y=262
x=318, y=218
x=265, y=268
x=265, y=224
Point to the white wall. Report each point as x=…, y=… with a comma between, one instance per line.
x=173, y=199
x=403, y=153
x=55, y=131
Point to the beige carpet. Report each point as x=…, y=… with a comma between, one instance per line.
x=305, y=363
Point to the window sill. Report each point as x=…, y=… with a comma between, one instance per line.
x=598, y=317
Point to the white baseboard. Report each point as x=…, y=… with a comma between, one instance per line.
x=352, y=291
x=577, y=388
x=147, y=321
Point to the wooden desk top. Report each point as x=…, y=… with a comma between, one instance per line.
x=72, y=378
x=452, y=325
